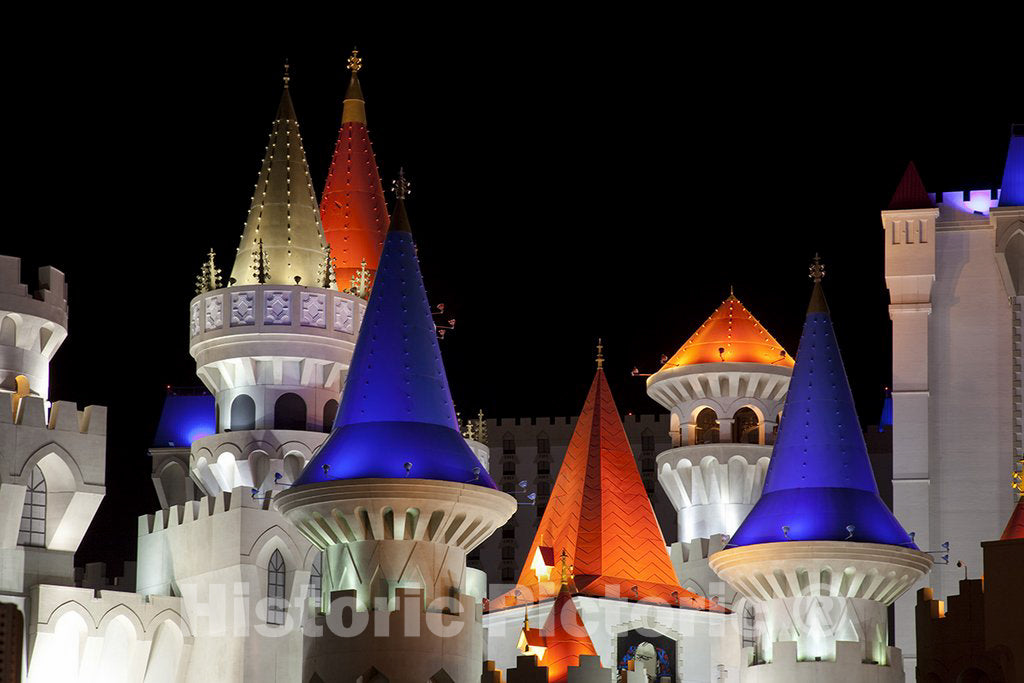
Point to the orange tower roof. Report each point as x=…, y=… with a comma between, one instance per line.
x=564, y=638
x=732, y=335
x=353, y=210
x=599, y=514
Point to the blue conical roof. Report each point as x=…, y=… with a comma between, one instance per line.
x=819, y=482
x=396, y=418
x=1012, y=190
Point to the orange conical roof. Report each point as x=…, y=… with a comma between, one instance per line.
x=733, y=335
x=599, y=514
x=1015, y=527
x=353, y=210
x=565, y=638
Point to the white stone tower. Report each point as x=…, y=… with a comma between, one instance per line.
x=820, y=554
x=396, y=499
x=273, y=347
x=52, y=456
x=954, y=267
x=725, y=388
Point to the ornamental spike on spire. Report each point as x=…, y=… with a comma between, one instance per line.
x=353, y=209
x=600, y=354
x=396, y=418
x=283, y=215
x=819, y=485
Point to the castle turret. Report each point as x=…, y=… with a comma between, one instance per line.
x=353, y=210
x=725, y=388
x=274, y=346
x=396, y=498
x=52, y=455
x=820, y=553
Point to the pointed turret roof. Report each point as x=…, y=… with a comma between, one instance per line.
x=353, y=210
x=599, y=514
x=396, y=417
x=819, y=485
x=1012, y=189
x=1015, y=526
x=564, y=638
x=910, y=193
x=284, y=211
x=732, y=335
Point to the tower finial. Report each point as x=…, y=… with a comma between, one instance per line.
x=355, y=62
x=600, y=355
x=566, y=569
x=732, y=294
x=287, y=77
x=817, y=269
x=401, y=186
x=1018, y=477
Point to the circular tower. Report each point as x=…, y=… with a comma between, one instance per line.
x=724, y=388
x=33, y=325
x=820, y=554
x=275, y=345
x=396, y=498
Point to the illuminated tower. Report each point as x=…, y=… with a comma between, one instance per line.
x=354, y=214
x=820, y=554
x=954, y=267
x=273, y=347
x=52, y=455
x=724, y=388
x=600, y=516
x=396, y=498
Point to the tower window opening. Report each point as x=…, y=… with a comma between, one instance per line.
x=647, y=442
x=290, y=412
x=316, y=579
x=330, y=412
x=243, y=413
x=33, y=514
x=706, y=430
x=508, y=467
x=276, y=603
x=544, y=466
x=508, y=444
x=746, y=427
x=543, y=445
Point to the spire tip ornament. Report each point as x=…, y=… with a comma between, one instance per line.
x=600, y=354
x=817, y=269
x=287, y=76
x=401, y=187
x=355, y=62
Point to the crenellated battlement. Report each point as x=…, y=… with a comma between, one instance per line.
x=49, y=289
x=30, y=411
x=204, y=508
x=699, y=550
x=848, y=665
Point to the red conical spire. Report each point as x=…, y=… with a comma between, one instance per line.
x=599, y=514
x=353, y=210
x=565, y=638
x=910, y=194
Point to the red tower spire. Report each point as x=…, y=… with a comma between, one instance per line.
x=353, y=211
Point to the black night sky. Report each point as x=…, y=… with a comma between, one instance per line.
x=560, y=193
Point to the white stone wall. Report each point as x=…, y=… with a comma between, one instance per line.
x=948, y=274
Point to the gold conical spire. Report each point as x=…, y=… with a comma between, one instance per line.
x=355, y=106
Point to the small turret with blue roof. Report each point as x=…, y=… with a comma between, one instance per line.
x=397, y=419
x=1011, y=192
x=819, y=485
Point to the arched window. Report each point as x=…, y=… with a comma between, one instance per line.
x=243, y=413
x=290, y=412
x=647, y=442
x=276, y=603
x=746, y=427
x=508, y=444
x=8, y=331
x=707, y=427
x=316, y=578
x=330, y=412
x=543, y=445
x=33, y=513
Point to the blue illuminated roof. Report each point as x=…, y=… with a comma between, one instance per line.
x=819, y=482
x=1012, y=190
x=396, y=417
x=184, y=419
